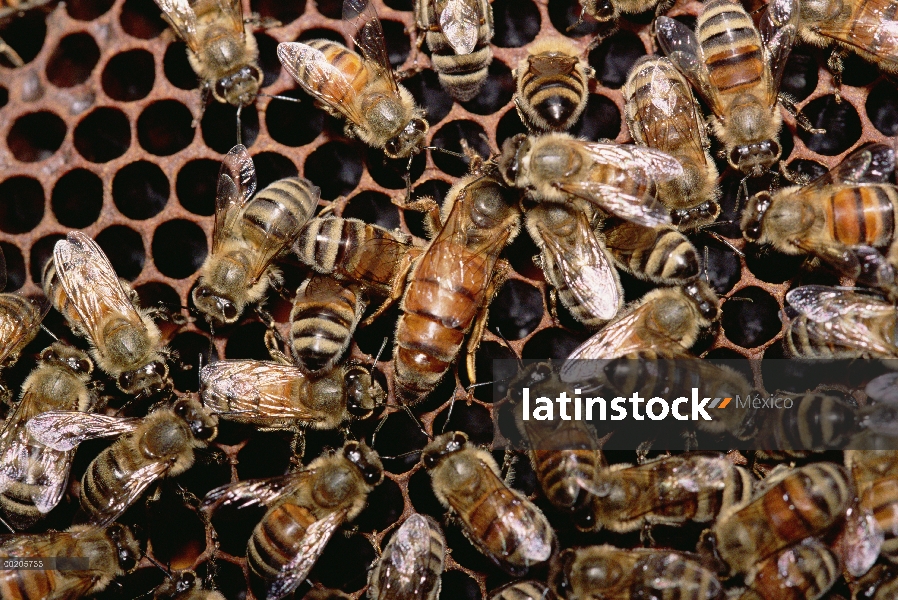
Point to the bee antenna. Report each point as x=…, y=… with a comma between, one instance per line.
x=165, y=570
x=725, y=242
x=513, y=351
x=403, y=455
x=278, y=97
x=199, y=379
x=444, y=151
x=705, y=266
x=379, y=352
x=239, y=126
x=7, y=525
x=50, y=333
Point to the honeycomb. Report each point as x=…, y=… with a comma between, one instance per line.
x=96, y=135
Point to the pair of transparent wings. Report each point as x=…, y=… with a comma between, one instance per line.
x=459, y=21
x=869, y=164
x=184, y=16
x=869, y=25
x=778, y=30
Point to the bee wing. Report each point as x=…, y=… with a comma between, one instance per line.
x=884, y=388
x=255, y=491
x=310, y=548
x=320, y=79
x=659, y=117
x=646, y=211
x=460, y=21
x=363, y=27
x=253, y=388
x=132, y=486
x=90, y=282
x=183, y=19
x=868, y=22
x=873, y=163
x=823, y=304
x=63, y=430
x=588, y=272
x=21, y=326
x=411, y=565
x=236, y=185
x=778, y=28
x=682, y=48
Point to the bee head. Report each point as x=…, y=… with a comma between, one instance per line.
x=203, y=426
x=601, y=10
x=560, y=574
x=365, y=460
x=151, y=378
x=219, y=308
x=127, y=551
x=409, y=141
x=363, y=394
x=753, y=217
x=706, y=301
x=513, y=152
x=239, y=88
x=442, y=446
x=755, y=159
x=530, y=378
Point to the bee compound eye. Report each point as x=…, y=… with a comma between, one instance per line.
x=47, y=354
x=372, y=475
x=229, y=311
x=459, y=440
x=203, y=292
x=83, y=366
x=392, y=147
x=429, y=460
x=126, y=559
x=181, y=409
x=202, y=432
x=126, y=380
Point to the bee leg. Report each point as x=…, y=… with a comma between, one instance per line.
x=836, y=65
x=499, y=276
x=579, y=20
x=13, y=56
x=800, y=118
x=598, y=39
x=662, y=8
x=645, y=536
x=257, y=20
x=642, y=451
x=508, y=472
x=407, y=73
x=204, y=99
x=424, y=204
x=297, y=446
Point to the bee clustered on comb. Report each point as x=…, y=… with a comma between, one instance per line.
x=97, y=136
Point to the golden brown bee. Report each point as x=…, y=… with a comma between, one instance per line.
x=522, y=590
x=737, y=67
x=787, y=507
x=658, y=254
x=458, y=33
x=836, y=323
x=247, y=236
x=125, y=342
x=608, y=572
x=497, y=520
x=671, y=490
x=619, y=179
x=324, y=316
x=308, y=507
x=662, y=113
x=280, y=396
x=552, y=85
x=33, y=476
x=221, y=48
x=184, y=586
x=411, y=564
x=850, y=207
x=20, y=320
x=565, y=454
x=452, y=283
x=359, y=87
x=110, y=551
x=869, y=28
x=803, y=572
x=575, y=262
x=162, y=444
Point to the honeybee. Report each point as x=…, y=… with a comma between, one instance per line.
x=361, y=88
x=737, y=69
x=657, y=254
x=619, y=179
x=247, y=235
x=452, y=283
x=851, y=206
x=499, y=521
x=834, y=323
x=33, y=476
x=324, y=316
x=411, y=564
x=803, y=572
x=522, y=590
x=110, y=551
x=552, y=85
x=662, y=113
x=575, y=262
x=20, y=320
x=608, y=572
x=162, y=444
x=221, y=48
x=308, y=506
x=458, y=33
x=671, y=490
x=787, y=507
x=125, y=342
x=184, y=586
x=867, y=28
x=564, y=454
x=875, y=475
x=278, y=396
x=826, y=423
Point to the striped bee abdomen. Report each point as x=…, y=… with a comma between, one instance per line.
x=324, y=316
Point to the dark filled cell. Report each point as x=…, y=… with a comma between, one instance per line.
x=165, y=127
x=285, y=12
x=449, y=136
x=176, y=531
x=158, y=294
x=391, y=172
x=332, y=9
x=399, y=435
x=800, y=74
x=858, y=72
x=177, y=68
x=219, y=126
x=248, y=341
x=87, y=10
x=344, y=563
x=429, y=95
x=516, y=310
x=179, y=248
x=73, y=60
x=197, y=184
x=750, y=323
x=516, y=22
x=509, y=126
x=406, y=5
x=600, y=119
x=421, y=494
x=102, y=135
x=373, y=207
x=614, y=58
x=36, y=136
x=268, y=59
x=371, y=338
x=321, y=33
x=720, y=263
x=142, y=19
x=384, y=508
x=4, y=96
x=806, y=168
x=271, y=166
x=565, y=13
x=25, y=34
x=124, y=248
x=520, y=254
x=495, y=93
x=552, y=342
x=839, y=119
x=15, y=267
x=41, y=252
x=129, y=76
x=487, y=370
x=882, y=107
x=77, y=198
x=265, y=455
x=471, y=418
x=335, y=167
x=398, y=43
x=140, y=190
x=21, y=204
x=294, y=123
x=771, y=266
